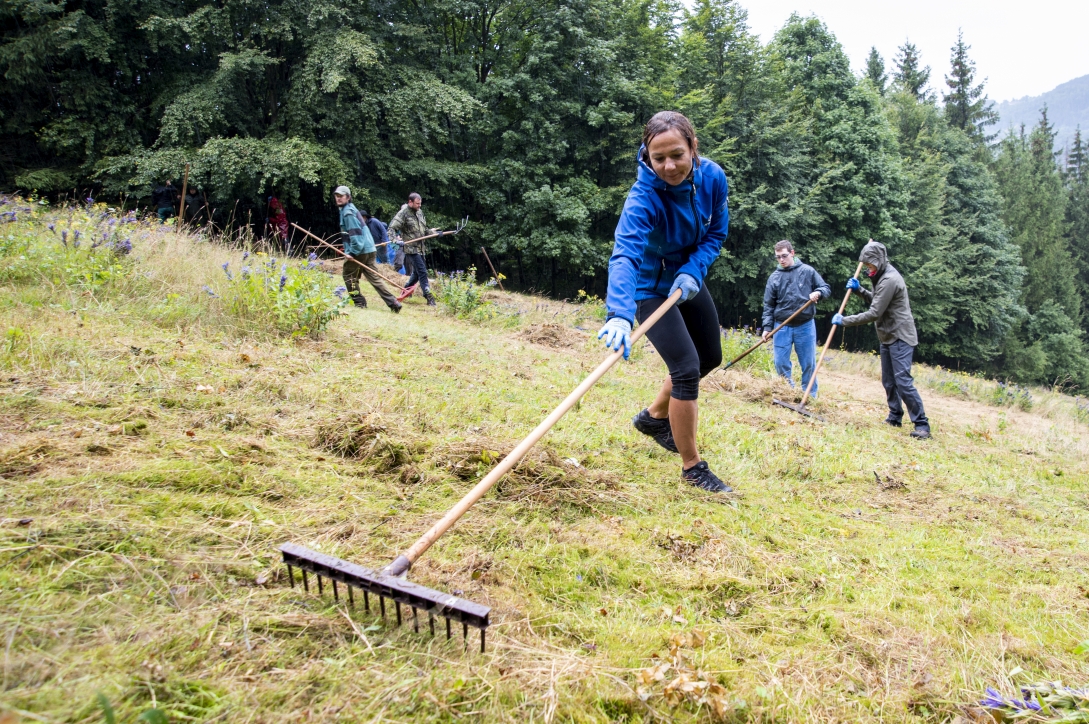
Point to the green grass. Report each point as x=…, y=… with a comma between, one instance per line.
x=162, y=451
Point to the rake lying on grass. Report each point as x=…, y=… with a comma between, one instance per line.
x=390, y=583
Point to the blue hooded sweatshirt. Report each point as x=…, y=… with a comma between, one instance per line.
x=665, y=231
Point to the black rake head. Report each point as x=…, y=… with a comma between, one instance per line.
x=800, y=409
x=400, y=591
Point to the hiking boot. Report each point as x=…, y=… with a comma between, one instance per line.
x=921, y=433
x=701, y=476
x=396, y=309
x=359, y=301
x=429, y=297
x=657, y=429
x=894, y=423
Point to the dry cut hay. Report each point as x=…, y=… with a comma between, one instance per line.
x=550, y=334
x=541, y=477
x=366, y=437
x=750, y=387
x=25, y=459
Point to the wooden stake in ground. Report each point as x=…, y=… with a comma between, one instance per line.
x=181, y=213
x=800, y=408
x=494, y=272
x=323, y=242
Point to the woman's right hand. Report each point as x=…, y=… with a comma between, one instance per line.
x=617, y=333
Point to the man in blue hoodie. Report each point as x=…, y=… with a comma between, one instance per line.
x=790, y=286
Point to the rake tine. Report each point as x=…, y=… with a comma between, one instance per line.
x=431, y=623
x=351, y=598
x=415, y=621
x=291, y=575
x=321, y=591
x=465, y=634
x=447, y=628
x=398, y=605
x=366, y=601
x=382, y=603
x=306, y=584
x=336, y=597
x=482, y=631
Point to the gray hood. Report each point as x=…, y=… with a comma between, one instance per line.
x=874, y=253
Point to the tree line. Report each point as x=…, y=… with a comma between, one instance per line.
x=526, y=117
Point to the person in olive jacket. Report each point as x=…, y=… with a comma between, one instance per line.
x=890, y=311
x=788, y=288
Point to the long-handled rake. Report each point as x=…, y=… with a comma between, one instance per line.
x=800, y=408
x=782, y=324
x=349, y=257
x=390, y=583
x=457, y=229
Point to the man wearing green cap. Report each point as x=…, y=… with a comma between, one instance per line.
x=359, y=245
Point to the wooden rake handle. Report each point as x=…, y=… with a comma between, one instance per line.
x=405, y=560
x=782, y=324
x=323, y=242
x=831, y=333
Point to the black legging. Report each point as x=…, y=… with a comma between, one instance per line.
x=688, y=339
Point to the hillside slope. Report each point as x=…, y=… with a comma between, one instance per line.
x=1067, y=109
x=151, y=469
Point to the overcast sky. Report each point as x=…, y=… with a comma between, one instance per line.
x=1023, y=49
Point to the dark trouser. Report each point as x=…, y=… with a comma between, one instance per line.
x=383, y=254
x=688, y=339
x=417, y=272
x=164, y=212
x=898, y=384
x=365, y=267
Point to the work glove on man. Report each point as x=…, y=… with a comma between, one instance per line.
x=854, y=285
x=687, y=284
x=837, y=320
x=617, y=334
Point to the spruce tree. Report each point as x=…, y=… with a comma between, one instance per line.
x=910, y=75
x=966, y=105
x=1077, y=210
x=875, y=70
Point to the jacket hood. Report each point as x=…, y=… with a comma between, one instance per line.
x=874, y=253
x=649, y=178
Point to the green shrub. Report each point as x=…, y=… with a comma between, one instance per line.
x=299, y=301
x=461, y=296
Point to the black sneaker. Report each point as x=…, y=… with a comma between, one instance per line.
x=894, y=423
x=430, y=298
x=359, y=301
x=921, y=433
x=396, y=309
x=657, y=429
x=701, y=476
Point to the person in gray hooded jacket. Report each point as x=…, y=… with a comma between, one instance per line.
x=890, y=311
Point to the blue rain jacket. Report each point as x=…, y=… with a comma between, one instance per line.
x=665, y=231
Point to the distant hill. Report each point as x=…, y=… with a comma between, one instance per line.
x=1067, y=108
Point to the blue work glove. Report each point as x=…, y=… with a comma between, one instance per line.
x=854, y=285
x=838, y=320
x=617, y=333
x=687, y=284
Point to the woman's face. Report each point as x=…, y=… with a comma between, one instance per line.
x=670, y=157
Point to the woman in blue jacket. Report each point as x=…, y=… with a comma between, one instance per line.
x=670, y=232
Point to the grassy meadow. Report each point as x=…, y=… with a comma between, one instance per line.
x=158, y=441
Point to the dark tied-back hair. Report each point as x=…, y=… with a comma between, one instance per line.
x=663, y=121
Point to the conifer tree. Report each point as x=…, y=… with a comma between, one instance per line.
x=910, y=75
x=1077, y=209
x=966, y=104
x=875, y=70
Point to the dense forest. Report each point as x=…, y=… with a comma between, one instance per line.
x=526, y=116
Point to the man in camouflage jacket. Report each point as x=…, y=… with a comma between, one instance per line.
x=410, y=224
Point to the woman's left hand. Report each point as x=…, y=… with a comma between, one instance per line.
x=687, y=284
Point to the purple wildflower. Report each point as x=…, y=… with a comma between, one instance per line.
x=64, y=238
x=283, y=277
x=75, y=243
x=208, y=289
x=245, y=255
x=227, y=271
x=52, y=227
x=75, y=235
x=313, y=256
x=89, y=200
x=340, y=291
x=123, y=247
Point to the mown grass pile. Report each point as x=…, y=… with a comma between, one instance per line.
x=155, y=450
